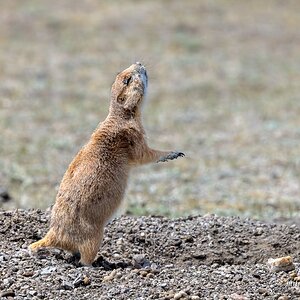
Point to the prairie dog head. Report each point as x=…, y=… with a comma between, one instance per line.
x=128, y=91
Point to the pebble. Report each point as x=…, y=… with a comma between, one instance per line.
x=67, y=285
x=7, y=294
x=8, y=281
x=86, y=280
x=32, y=293
x=140, y=261
x=154, y=268
x=144, y=273
x=284, y=297
x=281, y=264
x=47, y=270
x=259, y=231
x=238, y=297
x=117, y=256
x=263, y=291
x=28, y=274
x=78, y=280
x=199, y=255
x=179, y=295
x=120, y=241
x=2, y=258
x=111, y=276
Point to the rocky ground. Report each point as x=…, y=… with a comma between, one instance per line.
x=204, y=257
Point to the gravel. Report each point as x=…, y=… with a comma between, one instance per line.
x=202, y=257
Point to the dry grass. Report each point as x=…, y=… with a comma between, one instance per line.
x=224, y=88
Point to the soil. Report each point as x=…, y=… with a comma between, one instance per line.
x=202, y=257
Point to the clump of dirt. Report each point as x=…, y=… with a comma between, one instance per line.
x=207, y=257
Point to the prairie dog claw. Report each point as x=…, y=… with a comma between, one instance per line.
x=172, y=155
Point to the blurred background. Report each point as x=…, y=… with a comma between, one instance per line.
x=224, y=88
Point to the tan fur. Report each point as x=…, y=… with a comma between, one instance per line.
x=94, y=184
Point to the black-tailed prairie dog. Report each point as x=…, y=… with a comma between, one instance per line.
x=94, y=184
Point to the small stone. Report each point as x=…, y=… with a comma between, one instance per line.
x=78, y=280
x=135, y=271
x=199, y=255
x=281, y=264
x=23, y=253
x=7, y=294
x=180, y=294
x=138, y=258
x=263, y=291
x=32, y=293
x=47, y=270
x=110, y=276
x=154, y=268
x=67, y=285
x=238, y=297
x=120, y=241
x=81, y=280
x=170, y=295
x=284, y=297
x=86, y=280
x=140, y=261
x=194, y=297
x=117, y=256
x=28, y=274
x=143, y=273
x=2, y=258
x=259, y=231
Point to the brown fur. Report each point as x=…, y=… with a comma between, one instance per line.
x=94, y=184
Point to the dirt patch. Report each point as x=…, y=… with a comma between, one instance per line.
x=205, y=257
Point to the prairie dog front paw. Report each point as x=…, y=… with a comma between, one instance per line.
x=172, y=155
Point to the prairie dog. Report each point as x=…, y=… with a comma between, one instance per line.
x=94, y=184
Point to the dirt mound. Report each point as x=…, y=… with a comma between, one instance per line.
x=206, y=257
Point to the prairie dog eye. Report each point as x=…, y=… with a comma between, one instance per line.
x=127, y=80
